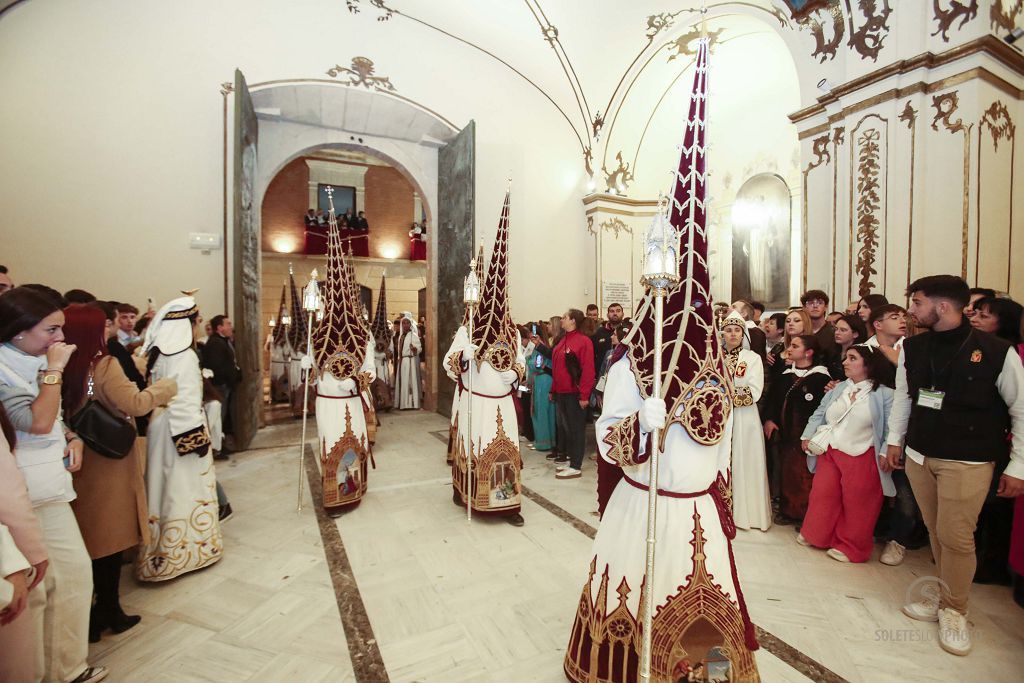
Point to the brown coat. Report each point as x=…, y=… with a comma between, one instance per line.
x=111, y=505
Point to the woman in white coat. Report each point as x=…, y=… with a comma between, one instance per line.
x=751, y=501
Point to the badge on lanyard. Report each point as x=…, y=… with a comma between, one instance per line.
x=808, y=397
x=930, y=398
x=741, y=369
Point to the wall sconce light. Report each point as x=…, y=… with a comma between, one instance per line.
x=284, y=245
x=389, y=250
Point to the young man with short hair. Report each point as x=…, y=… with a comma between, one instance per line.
x=593, y=312
x=603, y=337
x=889, y=324
x=126, y=317
x=219, y=356
x=815, y=302
x=959, y=409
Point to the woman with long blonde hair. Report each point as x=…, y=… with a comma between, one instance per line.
x=798, y=322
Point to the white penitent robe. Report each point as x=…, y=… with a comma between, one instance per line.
x=297, y=384
x=493, y=437
x=407, y=372
x=344, y=444
x=280, y=381
x=453, y=426
x=695, y=582
x=751, y=500
x=181, y=486
x=380, y=362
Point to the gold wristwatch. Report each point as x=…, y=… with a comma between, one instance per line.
x=52, y=378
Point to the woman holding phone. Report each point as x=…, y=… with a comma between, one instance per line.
x=33, y=356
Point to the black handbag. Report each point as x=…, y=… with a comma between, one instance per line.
x=109, y=435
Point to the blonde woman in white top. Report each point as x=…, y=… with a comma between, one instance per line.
x=851, y=474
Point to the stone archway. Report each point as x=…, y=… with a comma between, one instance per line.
x=297, y=118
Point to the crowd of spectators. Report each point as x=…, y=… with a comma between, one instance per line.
x=71, y=515
x=883, y=425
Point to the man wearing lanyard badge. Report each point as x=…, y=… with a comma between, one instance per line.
x=959, y=398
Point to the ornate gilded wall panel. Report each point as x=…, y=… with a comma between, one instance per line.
x=869, y=175
x=946, y=106
x=994, y=238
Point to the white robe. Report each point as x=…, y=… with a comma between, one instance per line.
x=494, y=434
x=380, y=362
x=617, y=568
x=344, y=446
x=752, y=505
x=181, y=486
x=407, y=373
x=280, y=381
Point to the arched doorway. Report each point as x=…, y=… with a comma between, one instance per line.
x=316, y=117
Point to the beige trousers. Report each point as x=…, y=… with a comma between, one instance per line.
x=61, y=609
x=950, y=495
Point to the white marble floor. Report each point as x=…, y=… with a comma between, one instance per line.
x=454, y=601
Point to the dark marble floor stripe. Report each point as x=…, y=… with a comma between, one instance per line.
x=561, y=513
x=813, y=669
x=441, y=435
x=367, y=662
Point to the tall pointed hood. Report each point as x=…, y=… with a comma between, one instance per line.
x=694, y=380
x=494, y=333
x=354, y=289
x=297, y=335
x=279, y=335
x=339, y=343
x=381, y=328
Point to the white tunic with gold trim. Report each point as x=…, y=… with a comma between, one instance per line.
x=341, y=424
x=181, y=485
x=751, y=500
x=494, y=436
x=699, y=612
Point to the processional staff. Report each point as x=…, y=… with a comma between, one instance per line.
x=471, y=295
x=311, y=305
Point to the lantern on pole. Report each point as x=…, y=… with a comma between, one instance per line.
x=310, y=304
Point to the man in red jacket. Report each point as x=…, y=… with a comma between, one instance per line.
x=572, y=381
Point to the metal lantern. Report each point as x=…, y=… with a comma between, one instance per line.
x=311, y=294
x=661, y=252
x=471, y=287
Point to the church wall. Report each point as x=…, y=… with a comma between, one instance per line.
x=917, y=180
x=133, y=145
x=119, y=140
x=389, y=209
x=284, y=204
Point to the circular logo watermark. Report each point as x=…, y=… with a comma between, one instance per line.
x=926, y=589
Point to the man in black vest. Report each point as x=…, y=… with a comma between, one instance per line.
x=959, y=397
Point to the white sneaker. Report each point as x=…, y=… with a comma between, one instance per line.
x=954, y=635
x=563, y=466
x=837, y=555
x=893, y=554
x=802, y=541
x=568, y=473
x=922, y=610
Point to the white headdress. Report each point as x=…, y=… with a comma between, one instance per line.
x=171, y=327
